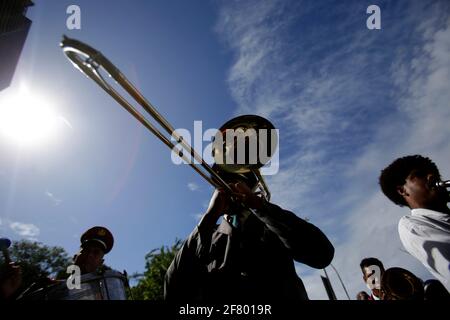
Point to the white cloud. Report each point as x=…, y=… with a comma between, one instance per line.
x=55, y=201
x=193, y=186
x=29, y=231
x=336, y=129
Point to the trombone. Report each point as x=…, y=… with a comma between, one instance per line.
x=443, y=184
x=90, y=61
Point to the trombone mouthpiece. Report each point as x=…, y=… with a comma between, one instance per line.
x=444, y=184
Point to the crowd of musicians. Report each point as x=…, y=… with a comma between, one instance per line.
x=244, y=247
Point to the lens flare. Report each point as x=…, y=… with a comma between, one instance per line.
x=27, y=119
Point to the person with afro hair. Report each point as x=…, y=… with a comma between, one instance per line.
x=425, y=233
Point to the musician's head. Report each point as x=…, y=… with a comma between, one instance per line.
x=369, y=268
x=90, y=258
x=95, y=243
x=362, y=295
x=411, y=181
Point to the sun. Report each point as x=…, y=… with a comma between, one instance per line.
x=27, y=119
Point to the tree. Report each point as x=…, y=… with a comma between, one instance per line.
x=37, y=261
x=151, y=284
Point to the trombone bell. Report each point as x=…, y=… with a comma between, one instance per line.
x=242, y=146
x=245, y=143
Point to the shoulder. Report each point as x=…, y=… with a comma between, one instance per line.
x=416, y=228
x=414, y=223
x=410, y=227
x=407, y=223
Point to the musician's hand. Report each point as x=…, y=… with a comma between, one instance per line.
x=219, y=203
x=245, y=195
x=218, y=206
x=11, y=281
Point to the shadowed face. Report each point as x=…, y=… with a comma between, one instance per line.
x=90, y=258
x=362, y=296
x=420, y=191
x=369, y=271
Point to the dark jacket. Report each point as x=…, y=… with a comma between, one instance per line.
x=251, y=263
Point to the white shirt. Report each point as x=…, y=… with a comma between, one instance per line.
x=425, y=234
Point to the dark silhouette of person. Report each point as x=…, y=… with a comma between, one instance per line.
x=250, y=255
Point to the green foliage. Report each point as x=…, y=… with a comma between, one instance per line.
x=151, y=284
x=37, y=261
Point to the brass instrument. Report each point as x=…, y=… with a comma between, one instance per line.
x=401, y=284
x=247, y=169
x=443, y=184
x=90, y=62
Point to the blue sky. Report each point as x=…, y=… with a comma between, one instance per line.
x=347, y=101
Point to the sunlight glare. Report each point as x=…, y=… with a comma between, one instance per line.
x=27, y=119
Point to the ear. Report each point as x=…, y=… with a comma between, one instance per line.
x=402, y=191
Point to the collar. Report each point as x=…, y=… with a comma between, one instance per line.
x=225, y=227
x=436, y=215
x=374, y=297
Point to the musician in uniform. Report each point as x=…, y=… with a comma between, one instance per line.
x=425, y=233
x=250, y=255
x=95, y=244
